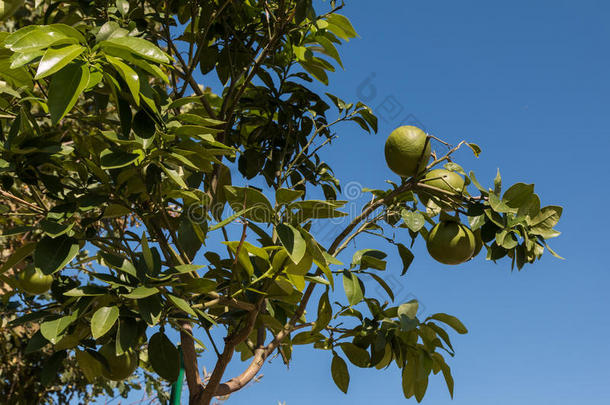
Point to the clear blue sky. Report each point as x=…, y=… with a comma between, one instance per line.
x=530, y=83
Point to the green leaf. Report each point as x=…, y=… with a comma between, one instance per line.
x=352, y=287
x=118, y=263
x=163, y=356
x=286, y=196
x=476, y=183
x=408, y=309
x=316, y=71
x=176, y=178
x=325, y=313
x=356, y=355
x=547, y=218
x=127, y=335
x=448, y=378
x=421, y=384
x=409, y=376
x=129, y=75
x=475, y=148
x=340, y=374
x=293, y=241
x=52, y=365
x=518, y=194
x=328, y=49
x=497, y=204
x=341, y=26
x=451, y=321
x=23, y=58
x=15, y=77
x=230, y=219
x=37, y=37
x=187, y=268
x=181, y=304
x=90, y=367
x=65, y=88
x=141, y=292
x=103, y=320
x=86, y=291
x=117, y=159
x=150, y=309
x=36, y=342
x=53, y=254
x=123, y=7
x=109, y=30
x=53, y=228
x=138, y=46
x=17, y=230
x=370, y=258
x=207, y=59
x=441, y=333
x=53, y=330
x=69, y=31
x=383, y=285
x=306, y=338
x=56, y=58
x=17, y=256
x=366, y=113
x=498, y=184
x=146, y=253
x=406, y=256
x=143, y=125
x=246, y=197
x=190, y=236
x=551, y=251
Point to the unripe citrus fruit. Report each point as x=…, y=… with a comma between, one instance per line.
x=450, y=242
x=34, y=281
x=445, y=180
x=119, y=367
x=407, y=151
x=478, y=243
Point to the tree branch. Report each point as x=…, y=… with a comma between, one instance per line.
x=193, y=379
x=261, y=354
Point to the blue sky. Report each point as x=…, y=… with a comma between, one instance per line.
x=528, y=82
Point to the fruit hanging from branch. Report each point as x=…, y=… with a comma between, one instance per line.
x=512, y=224
x=451, y=242
x=118, y=367
x=407, y=150
x=33, y=281
x=445, y=180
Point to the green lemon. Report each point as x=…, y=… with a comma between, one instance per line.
x=119, y=367
x=34, y=281
x=450, y=242
x=445, y=180
x=407, y=151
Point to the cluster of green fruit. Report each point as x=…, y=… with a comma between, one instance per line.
x=407, y=153
x=116, y=367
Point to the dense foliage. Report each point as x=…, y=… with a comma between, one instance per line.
x=116, y=168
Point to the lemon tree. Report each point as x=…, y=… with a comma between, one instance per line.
x=128, y=181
